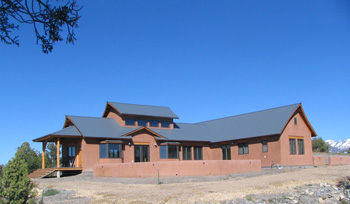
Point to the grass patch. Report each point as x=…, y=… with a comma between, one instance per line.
x=50, y=192
x=250, y=198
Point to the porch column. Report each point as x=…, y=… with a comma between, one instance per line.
x=58, y=151
x=43, y=156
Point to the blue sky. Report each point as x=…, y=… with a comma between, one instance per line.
x=204, y=59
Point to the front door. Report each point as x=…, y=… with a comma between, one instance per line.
x=71, y=155
x=141, y=153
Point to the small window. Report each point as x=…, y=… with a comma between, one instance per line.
x=165, y=124
x=243, y=148
x=198, y=155
x=295, y=121
x=292, y=146
x=169, y=151
x=186, y=153
x=153, y=123
x=264, y=146
x=129, y=121
x=110, y=150
x=142, y=123
x=300, y=146
x=226, y=152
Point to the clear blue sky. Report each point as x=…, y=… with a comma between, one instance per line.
x=204, y=59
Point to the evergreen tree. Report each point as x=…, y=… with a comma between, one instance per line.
x=319, y=145
x=15, y=185
x=30, y=156
x=50, y=155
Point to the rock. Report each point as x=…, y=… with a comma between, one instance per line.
x=321, y=200
x=295, y=201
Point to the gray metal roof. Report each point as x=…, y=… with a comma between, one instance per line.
x=68, y=131
x=99, y=127
x=266, y=122
x=261, y=123
x=144, y=110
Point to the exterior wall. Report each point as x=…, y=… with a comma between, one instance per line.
x=271, y=157
x=319, y=161
x=338, y=160
x=299, y=130
x=182, y=168
x=90, y=153
x=116, y=116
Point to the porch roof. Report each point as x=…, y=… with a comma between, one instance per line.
x=71, y=131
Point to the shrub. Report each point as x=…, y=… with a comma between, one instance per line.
x=16, y=186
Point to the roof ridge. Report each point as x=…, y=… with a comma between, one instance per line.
x=138, y=104
x=248, y=113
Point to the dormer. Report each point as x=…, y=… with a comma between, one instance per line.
x=132, y=115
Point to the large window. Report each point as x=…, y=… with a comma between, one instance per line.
x=198, y=153
x=243, y=148
x=186, y=153
x=292, y=146
x=226, y=152
x=110, y=150
x=264, y=146
x=129, y=121
x=169, y=151
x=300, y=146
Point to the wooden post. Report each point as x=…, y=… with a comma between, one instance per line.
x=43, y=156
x=58, y=152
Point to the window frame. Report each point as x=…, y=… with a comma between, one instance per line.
x=129, y=119
x=108, y=150
x=153, y=121
x=301, y=146
x=265, y=147
x=161, y=148
x=226, y=152
x=198, y=153
x=292, y=146
x=186, y=152
x=243, y=148
x=142, y=120
x=162, y=124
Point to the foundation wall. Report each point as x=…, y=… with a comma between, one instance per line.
x=181, y=168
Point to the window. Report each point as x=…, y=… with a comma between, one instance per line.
x=198, y=155
x=153, y=123
x=243, y=148
x=292, y=146
x=129, y=121
x=165, y=124
x=110, y=150
x=264, y=146
x=142, y=122
x=186, y=153
x=295, y=121
x=226, y=152
x=169, y=151
x=300, y=146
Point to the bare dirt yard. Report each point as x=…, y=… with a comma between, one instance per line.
x=240, y=188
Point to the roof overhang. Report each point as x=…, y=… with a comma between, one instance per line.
x=300, y=110
x=141, y=129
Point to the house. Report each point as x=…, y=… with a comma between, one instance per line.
x=140, y=134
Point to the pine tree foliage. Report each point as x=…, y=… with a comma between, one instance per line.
x=30, y=156
x=16, y=186
x=50, y=155
x=48, y=18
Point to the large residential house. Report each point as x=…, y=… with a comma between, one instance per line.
x=128, y=133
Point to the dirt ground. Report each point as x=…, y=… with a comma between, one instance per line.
x=213, y=189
